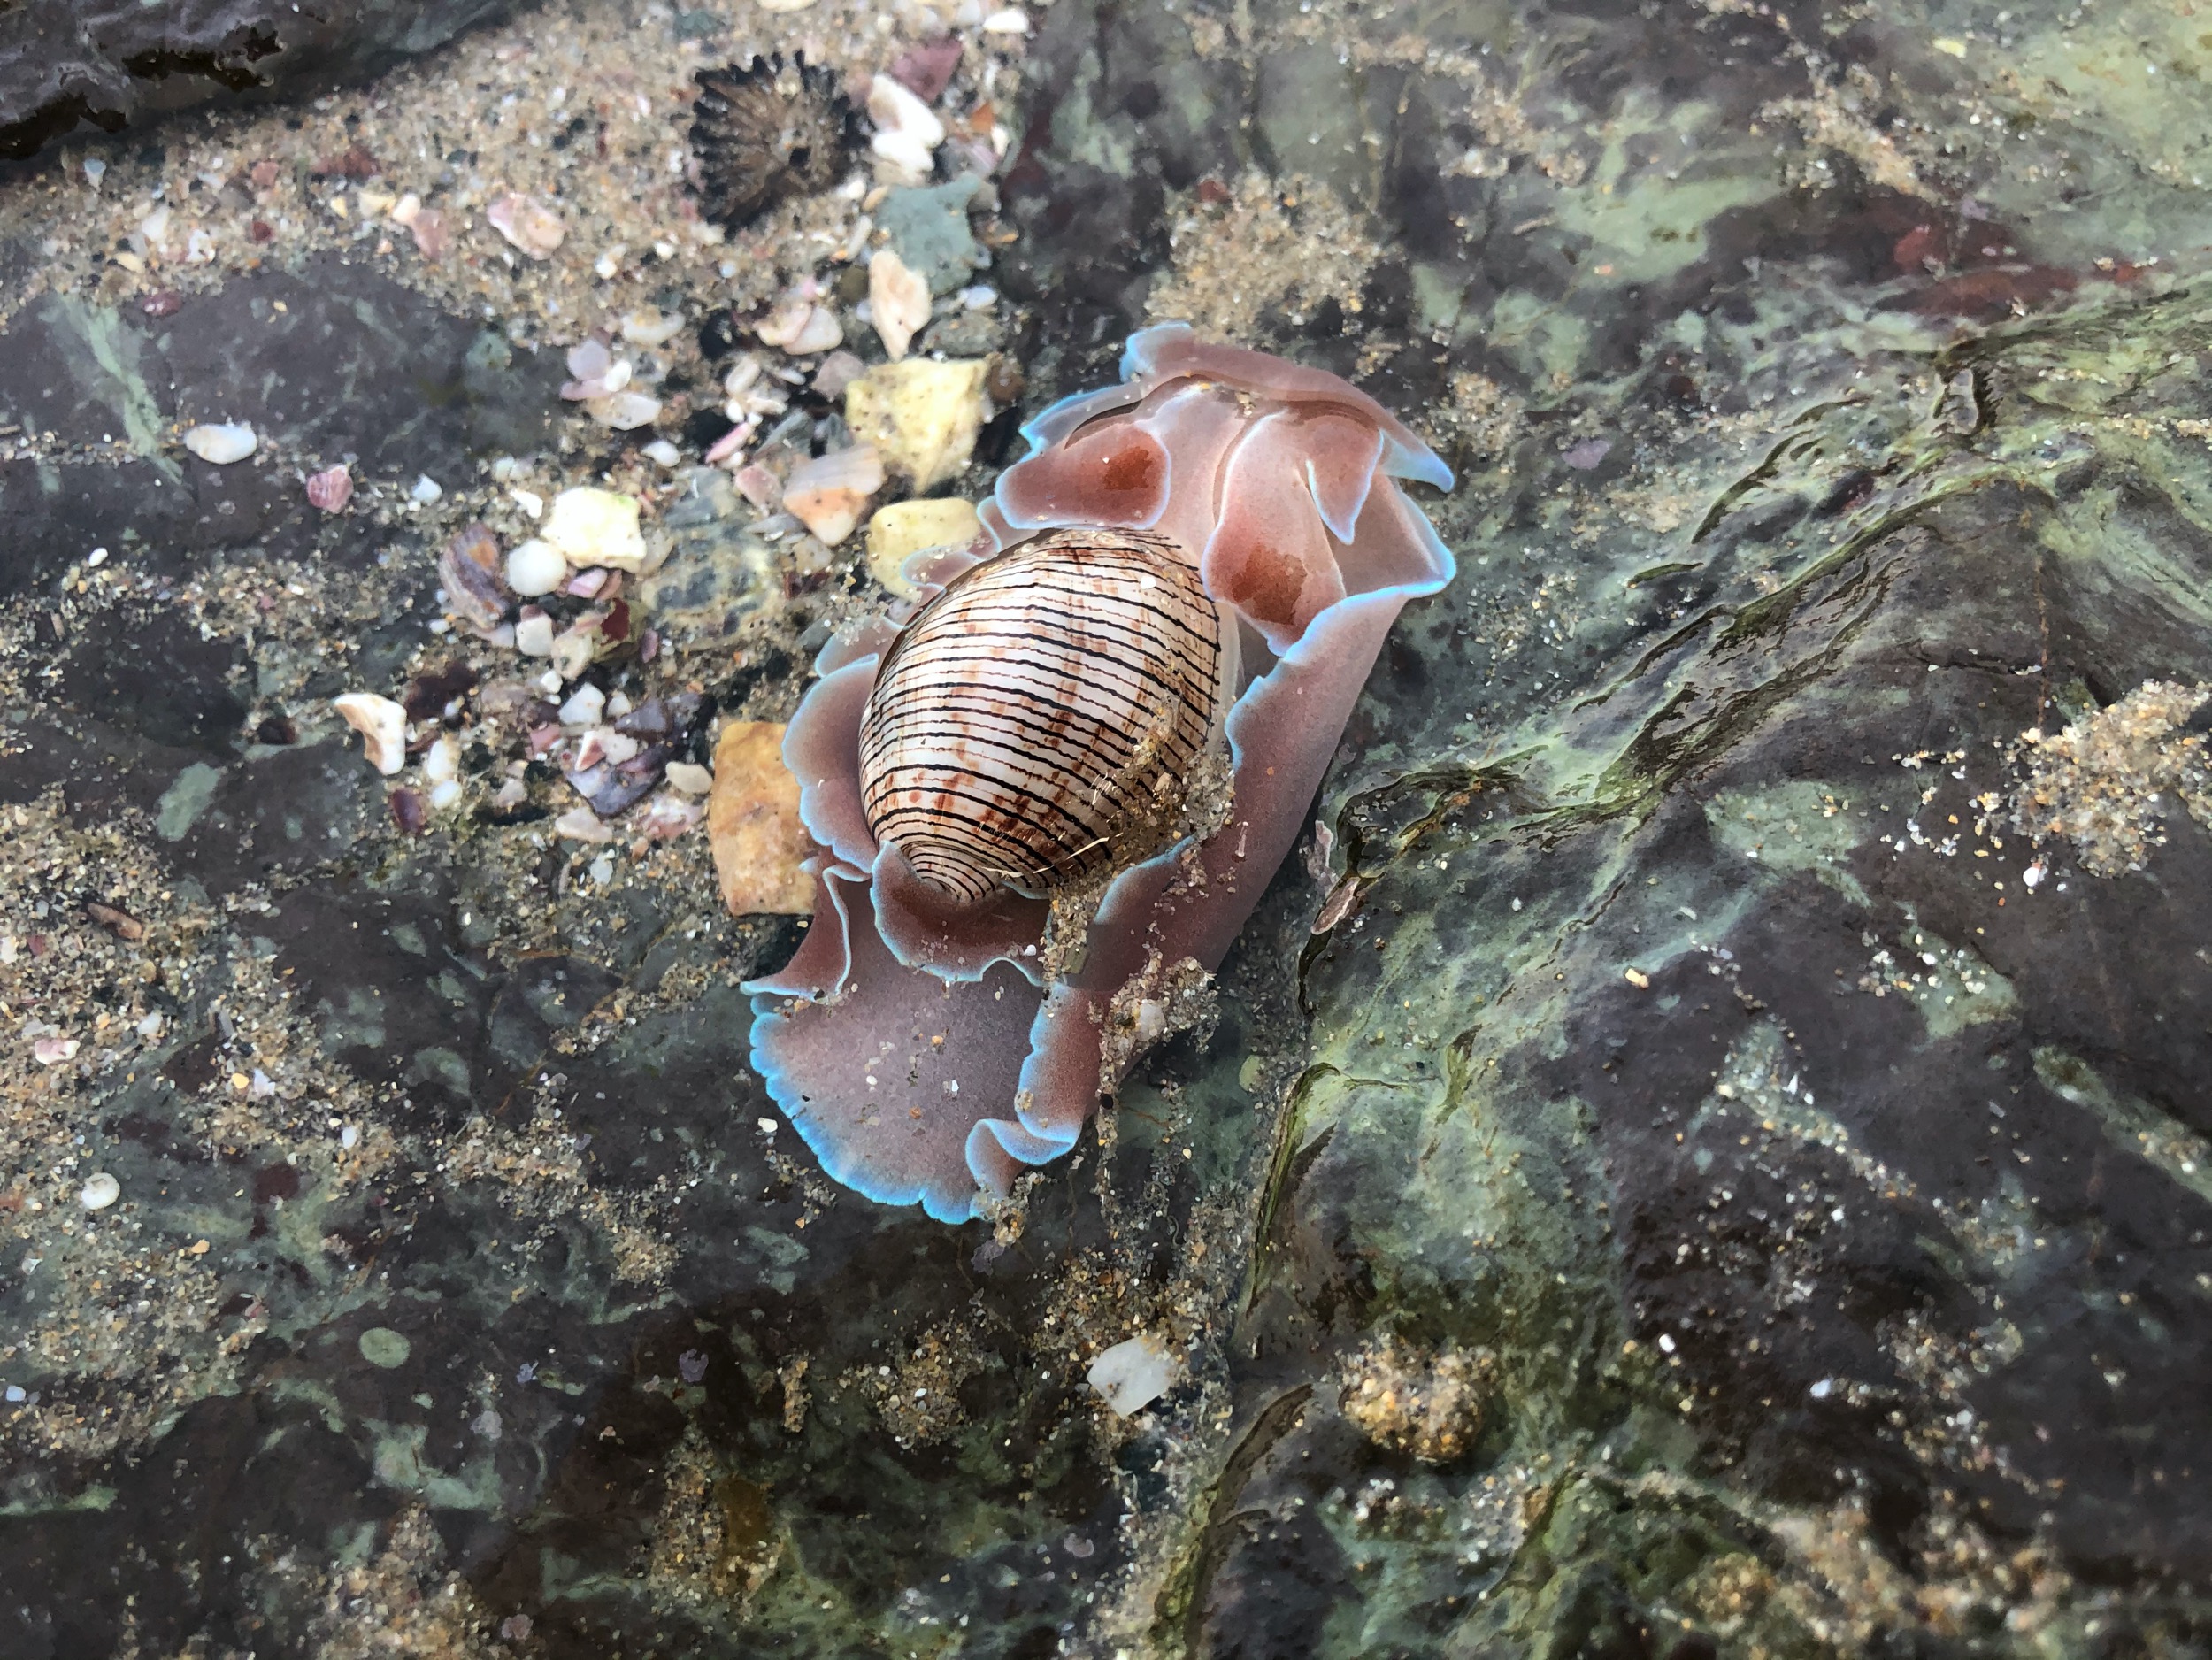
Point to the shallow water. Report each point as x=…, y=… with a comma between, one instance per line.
x=1730, y=1177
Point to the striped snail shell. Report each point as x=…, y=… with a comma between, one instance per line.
x=1043, y=720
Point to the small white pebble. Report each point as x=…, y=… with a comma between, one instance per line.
x=584, y=707
x=351, y=1136
x=535, y=567
x=603, y=869
x=1133, y=1374
x=661, y=451
x=441, y=764
x=443, y=796
x=690, y=777
x=101, y=1191
x=223, y=444
x=533, y=636
x=426, y=490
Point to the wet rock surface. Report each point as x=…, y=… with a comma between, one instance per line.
x=1683, y=1168
x=64, y=66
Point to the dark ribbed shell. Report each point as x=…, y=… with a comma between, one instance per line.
x=764, y=135
x=1041, y=721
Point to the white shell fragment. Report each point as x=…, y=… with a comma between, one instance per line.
x=689, y=777
x=221, y=443
x=624, y=411
x=441, y=763
x=827, y=493
x=1133, y=1374
x=526, y=223
x=535, y=567
x=820, y=332
x=593, y=527
x=382, y=725
x=580, y=824
x=100, y=1191
x=597, y=372
x=908, y=131
x=669, y=815
x=650, y=328
x=1012, y=21
x=898, y=302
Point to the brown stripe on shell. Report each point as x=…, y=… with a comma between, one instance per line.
x=1040, y=722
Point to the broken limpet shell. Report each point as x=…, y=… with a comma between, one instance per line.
x=765, y=130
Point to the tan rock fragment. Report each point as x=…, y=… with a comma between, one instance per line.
x=921, y=415
x=592, y=527
x=906, y=528
x=753, y=823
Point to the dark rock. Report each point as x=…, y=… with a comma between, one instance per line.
x=65, y=65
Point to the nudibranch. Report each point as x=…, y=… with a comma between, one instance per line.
x=1048, y=791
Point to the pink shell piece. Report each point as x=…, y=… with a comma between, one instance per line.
x=330, y=490
x=1282, y=482
x=730, y=443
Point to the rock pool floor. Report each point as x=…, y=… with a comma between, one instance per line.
x=1730, y=1178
